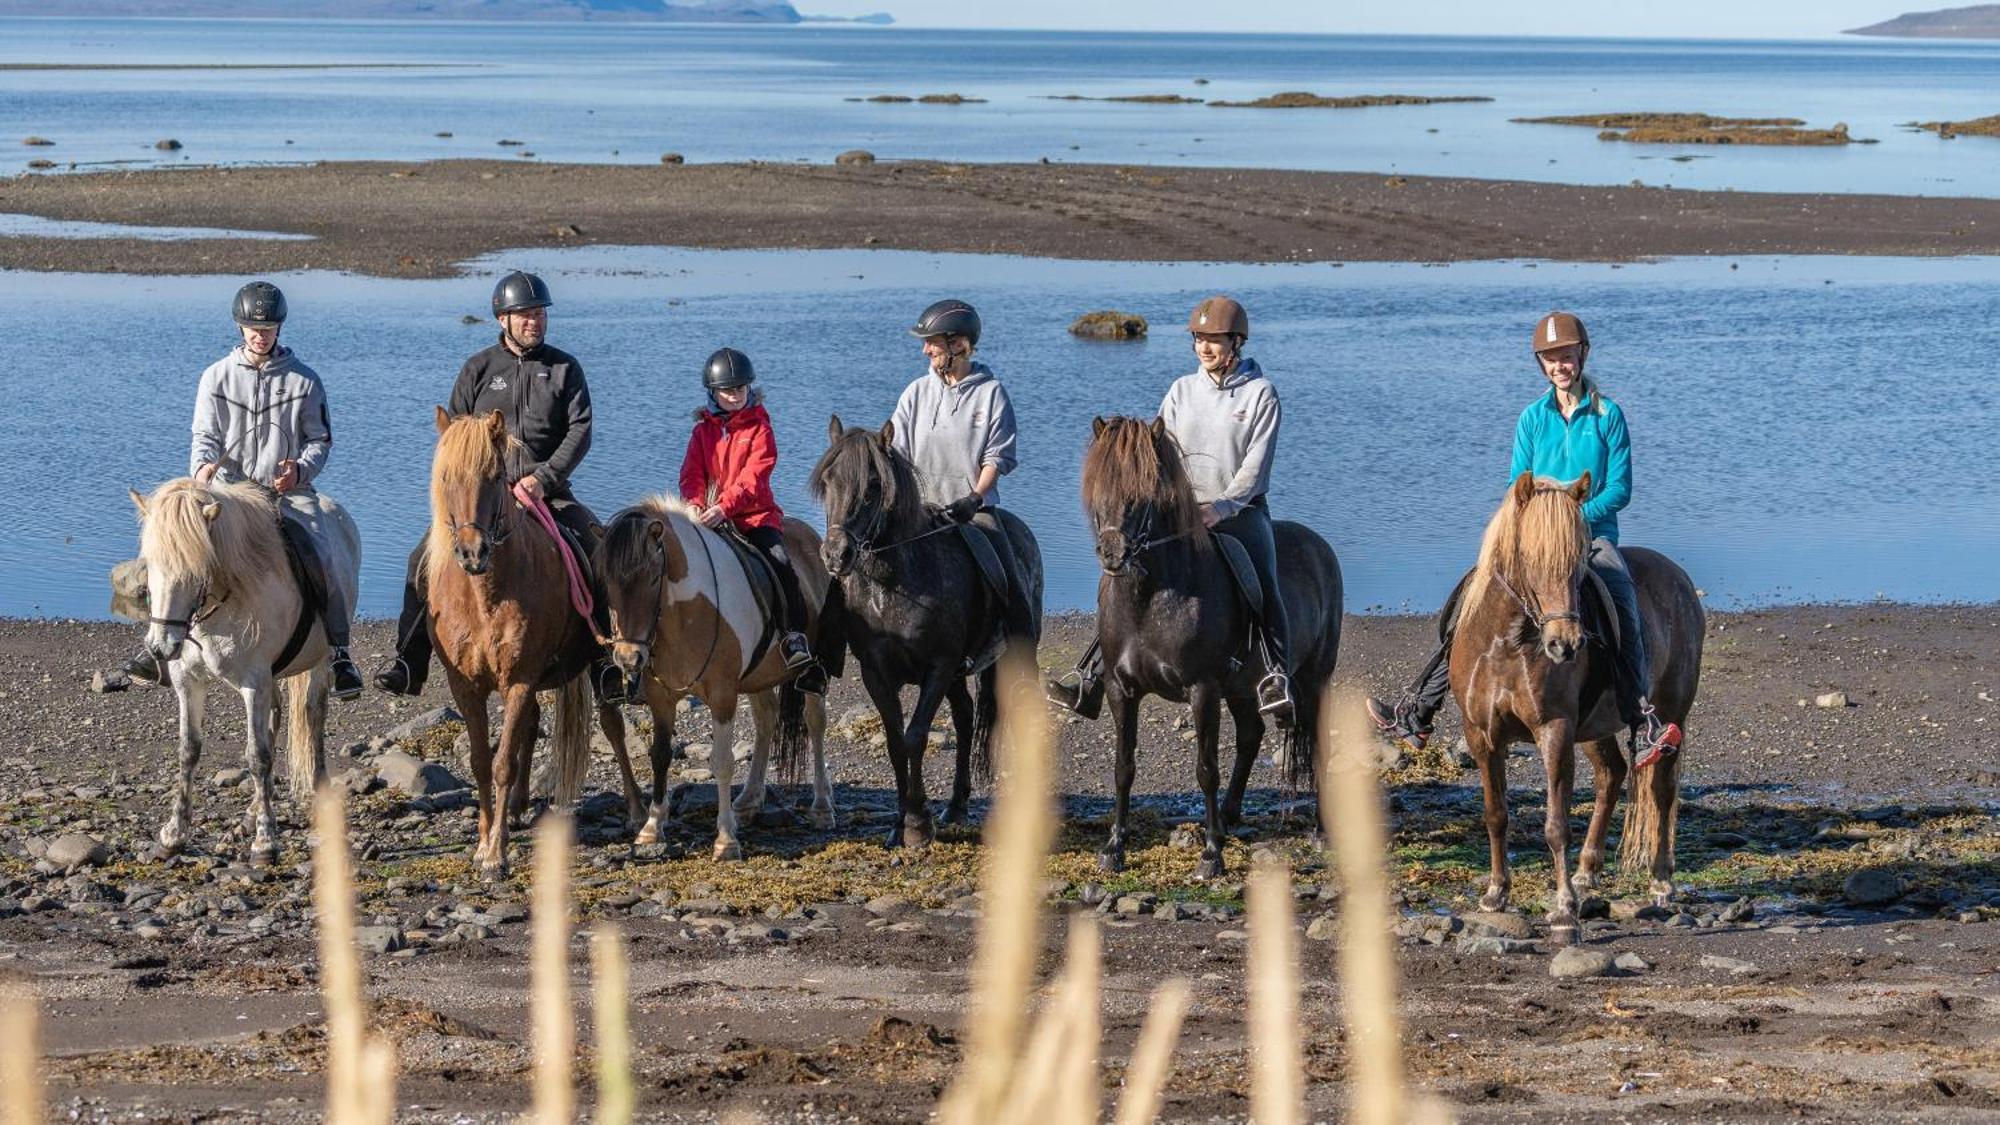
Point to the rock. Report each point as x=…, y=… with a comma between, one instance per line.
x=36, y=141
x=1173, y=912
x=1492, y=946
x=1186, y=836
x=1580, y=961
x=1132, y=905
x=855, y=156
x=105, y=682
x=230, y=778
x=1732, y=965
x=1725, y=840
x=1875, y=886
x=566, y=230
x=72, y=850
x=1593, y=908
x=1494, y=924
x=1833, y=699
x=167, y=145
x=1109, y=324
x=128, y=590
x=378, y=939
x=1323, y=928
x=1430, y=929
x=672, y=158
x=888, y=906
x=1631, y=963
x=413, y=729
x=414, y=776
x=1742, y=910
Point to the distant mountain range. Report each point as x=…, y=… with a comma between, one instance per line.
x=1980, y=21
x=649, y=11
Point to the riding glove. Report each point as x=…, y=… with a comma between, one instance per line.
x=965, y=507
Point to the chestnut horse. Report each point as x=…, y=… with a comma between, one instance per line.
x=501, y=619
x=1524, y=669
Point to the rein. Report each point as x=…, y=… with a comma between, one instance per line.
x=1146, y=542
x=579, y=591
x=714, y=636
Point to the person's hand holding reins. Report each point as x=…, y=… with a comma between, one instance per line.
x=713, y=516
x=207, y=472
x=1208, y=516
x=288, y=476
x=531, y=485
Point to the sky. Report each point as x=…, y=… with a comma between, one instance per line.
x=1709, y=19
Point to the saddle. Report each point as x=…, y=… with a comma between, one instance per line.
x=1600, y=613
x=1238, y=557
x=990, y=568
x=763, y=576
x=309, y=572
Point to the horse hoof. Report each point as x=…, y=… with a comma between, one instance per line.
x=493, y=872
x=647, y=835
x=955, y=813
x=728, y=851
x=1583, y=881
x=1493, y=902
x=1562, y=932
x=1111, y=862
x=172, y=842
x=823, y=819
x=1209, y=869
x=264, y=857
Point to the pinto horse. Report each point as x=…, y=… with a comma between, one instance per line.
x=1172, y=623
x=685, y=620
x=1523, y=670
x=500, y=616
x=216, y=570
x=916, y=612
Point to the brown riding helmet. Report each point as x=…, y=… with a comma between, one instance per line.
x=1559, y=330
x=1220, y=314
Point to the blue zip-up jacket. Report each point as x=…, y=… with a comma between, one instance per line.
x=1591, y=440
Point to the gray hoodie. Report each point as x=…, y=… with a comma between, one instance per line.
x=950, y=432
x=248, y=419
x=1229, y=433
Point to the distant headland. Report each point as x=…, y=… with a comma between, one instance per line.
x=646, y=11
x=1980, y=21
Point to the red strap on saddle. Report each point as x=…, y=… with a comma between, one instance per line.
x=579, y=590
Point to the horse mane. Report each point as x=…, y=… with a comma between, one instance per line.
x=178, y=539
x=858, y=456
x=467, y=455
x=624, y=547
x=1544, y=539
x=1127, y=465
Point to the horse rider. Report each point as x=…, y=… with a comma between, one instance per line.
x=955, y=424
x=1568, y=431
x=1225, y=417
x=541, y=393
x=726, y=475
x=260, y=414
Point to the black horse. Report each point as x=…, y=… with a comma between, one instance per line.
x=916, y=611
x=1172, y=622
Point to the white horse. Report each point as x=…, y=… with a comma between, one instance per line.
x=685, y=621
x=223, y=607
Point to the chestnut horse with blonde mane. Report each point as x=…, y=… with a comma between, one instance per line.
x=1524, y=669
x=500, y=617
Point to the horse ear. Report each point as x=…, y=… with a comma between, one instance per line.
x=443, y=419
x=138, y=502
x=656, y=529
x=889, y=432
x=211, y=510
x=1524, y=487
x=833, y=428
x=1098, y=425
x=1159, y=427
x=1580, y=491
x=496, y=423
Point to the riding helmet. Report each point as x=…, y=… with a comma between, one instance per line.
x=260, y=304
x=519, y=291
x=1220, y=314
x=728, y=368
x=1559, y=330
x=948, y=318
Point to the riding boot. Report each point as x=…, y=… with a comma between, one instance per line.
x=411, y=665
x=1408, y=719
x=1081, y=690
x=1274, y=691
x=346, y=677
x=143, y=665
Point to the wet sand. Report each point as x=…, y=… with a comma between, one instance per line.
x=422, y=220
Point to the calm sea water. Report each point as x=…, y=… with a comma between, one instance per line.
x=1803, y=428
x=630, y=92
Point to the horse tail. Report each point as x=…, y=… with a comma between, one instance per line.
x=1651, y=810
x=572, y=748
x=985, y=712
x=305, y=732
x=792, y=734
x=1299, y=742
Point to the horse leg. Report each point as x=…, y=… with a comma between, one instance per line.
x=1607, y=778
x=193, y=693
x=1557, y=741
x=889, y=705
x=822, y=814
x=1492, y=762
x=520, y=715
x=660, y=752
x=960, y=698
x=722, y=762
x=257, y=717
x=611, y=721
x=1208, y=774
x=479, y=749
x=918, y=829
x=1125, y=721
x=1249, y=738
x=764, y=727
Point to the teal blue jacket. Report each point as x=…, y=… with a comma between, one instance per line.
x=1592, y=440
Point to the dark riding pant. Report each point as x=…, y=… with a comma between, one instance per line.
x=770, y=542
x=1017, y=616
x=413, y=633
x=1252, y=527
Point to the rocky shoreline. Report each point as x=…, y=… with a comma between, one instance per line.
x=424, y=219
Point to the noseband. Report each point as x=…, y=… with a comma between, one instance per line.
x=196, y=613
x=1139, y=541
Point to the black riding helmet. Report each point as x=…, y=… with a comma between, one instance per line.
x=519, y=291
x=260, y=304
x=949, y=318
x=728, y=368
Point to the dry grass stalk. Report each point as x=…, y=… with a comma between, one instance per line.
x=1277, y=1094
x=1058, y=1082
x=554, y=1035
x=1153, y=1056
x=20, y=1056
x=358, y=1091
x=1018, y=835
x=615, y=1097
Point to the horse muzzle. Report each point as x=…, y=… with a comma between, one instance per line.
x=839, y=561
x=474, y=560
x=1559, y=650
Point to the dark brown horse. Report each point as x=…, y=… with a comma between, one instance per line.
x=1172, y=623
x=1524, y=670
x=501, y=619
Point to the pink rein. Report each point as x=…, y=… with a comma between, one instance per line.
x=579, y=590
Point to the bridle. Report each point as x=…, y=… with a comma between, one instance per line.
x=1140, y=540
x=196, y=612
x=1532, y=609
x=864, y=543
x=495, y=529
x=645, y=643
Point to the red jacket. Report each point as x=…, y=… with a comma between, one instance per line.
x=729, y=462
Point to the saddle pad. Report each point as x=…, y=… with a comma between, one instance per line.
x=763, y=578
x=1238, y=558
x=1602, y=611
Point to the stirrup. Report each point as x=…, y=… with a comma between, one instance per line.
x=799, y=656
x=610, y=685
x=147, y=668
x=1274, y=696
x=1076, y=694
x=1664, y=743
x=387, y=680
x=350, y=686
